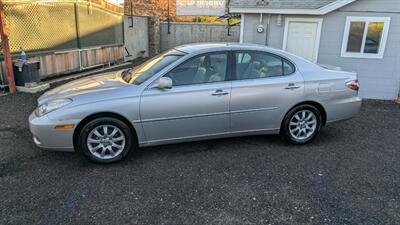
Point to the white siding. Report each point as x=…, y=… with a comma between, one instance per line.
x=374, y=6
x=379, y=78
x=251, y=22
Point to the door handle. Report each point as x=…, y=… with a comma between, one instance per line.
x=219, y=93
x=292, y=86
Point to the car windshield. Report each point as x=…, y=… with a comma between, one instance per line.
x=151, y=67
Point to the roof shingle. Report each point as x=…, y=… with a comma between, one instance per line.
x=281, y=4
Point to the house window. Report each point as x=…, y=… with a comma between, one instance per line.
x=365, y=37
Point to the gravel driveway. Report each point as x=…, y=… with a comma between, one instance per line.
x=349, y=175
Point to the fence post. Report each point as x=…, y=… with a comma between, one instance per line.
x=131, y=14
x=76, y=12
x=229, y=17
x=78, y=41
x=6, y=50
x=154, y=35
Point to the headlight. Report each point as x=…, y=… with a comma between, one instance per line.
x=51, y=106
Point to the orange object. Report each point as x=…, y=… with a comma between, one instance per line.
x=64, y=126
x=6, y=50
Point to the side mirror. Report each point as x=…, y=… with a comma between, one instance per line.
x=164, y=83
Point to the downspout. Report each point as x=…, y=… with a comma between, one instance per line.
x=260, y=27
x=241, y=40
x=268, y=30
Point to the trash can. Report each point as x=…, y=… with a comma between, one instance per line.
x=26, y=72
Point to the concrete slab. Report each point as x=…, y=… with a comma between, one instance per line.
x=33, y=89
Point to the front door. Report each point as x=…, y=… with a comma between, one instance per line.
x=302, y=37
x=197, y=105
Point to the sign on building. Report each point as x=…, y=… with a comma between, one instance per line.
x=200, y=7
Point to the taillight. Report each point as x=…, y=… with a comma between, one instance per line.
x=353, y=85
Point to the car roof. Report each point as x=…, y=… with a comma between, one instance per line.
x=211, y=47
x=200, y=48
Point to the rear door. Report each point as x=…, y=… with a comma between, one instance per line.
x=265, y=86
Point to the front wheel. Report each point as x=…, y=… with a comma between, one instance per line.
x=301, y=124
x=105, y=140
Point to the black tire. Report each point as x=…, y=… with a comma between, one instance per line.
x=285, y=130
x=90, y=126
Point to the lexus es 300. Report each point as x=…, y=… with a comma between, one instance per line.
x=194, y=92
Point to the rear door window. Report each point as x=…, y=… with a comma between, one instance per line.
x=257, y=65
x=288, y=67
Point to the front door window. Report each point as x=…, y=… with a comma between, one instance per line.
x=200, y=69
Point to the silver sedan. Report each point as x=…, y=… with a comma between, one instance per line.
x=194, y=92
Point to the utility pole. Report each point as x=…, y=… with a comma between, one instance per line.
x=229, y=17
x=168, y=19
x=6, y=50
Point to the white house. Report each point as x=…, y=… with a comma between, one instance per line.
x=356, y=35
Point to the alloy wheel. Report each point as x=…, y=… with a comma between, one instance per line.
x=106, y=141
x=303, y=125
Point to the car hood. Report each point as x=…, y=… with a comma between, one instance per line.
x=92, y=84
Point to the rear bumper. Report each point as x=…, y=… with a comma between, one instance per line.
x=342, y=109
x=47, y=137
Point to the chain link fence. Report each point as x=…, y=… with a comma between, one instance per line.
x=49, y=26
x=98, y=26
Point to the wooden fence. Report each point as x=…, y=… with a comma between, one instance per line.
x=58, y=63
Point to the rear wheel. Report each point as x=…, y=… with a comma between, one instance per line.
x=105, y=140
x=301, y=124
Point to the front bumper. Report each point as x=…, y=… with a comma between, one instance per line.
x=47, y=137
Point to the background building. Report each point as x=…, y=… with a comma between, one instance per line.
x=157, y=8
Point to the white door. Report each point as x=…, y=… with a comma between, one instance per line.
x=302, y=37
